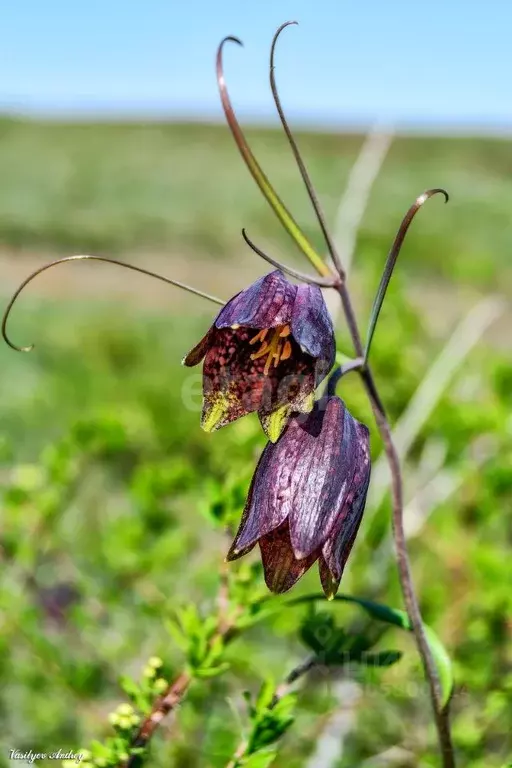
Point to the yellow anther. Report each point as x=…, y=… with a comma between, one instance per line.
x=261, y=351
x=275, y=349
x=260, y=336
x=287, y=351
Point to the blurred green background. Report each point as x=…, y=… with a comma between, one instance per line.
x=107, y=479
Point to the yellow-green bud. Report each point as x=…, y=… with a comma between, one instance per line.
x=113, y=718
x=100, y=762
x=160, y=685
x=156, y=662
x=135, y=719
x=86, y=755
x=125, y=723
x=149, y=672
x=124, y=757
x=125, y=709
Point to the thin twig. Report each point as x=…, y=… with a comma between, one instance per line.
x=340, y=371
x=324, y=282
x=392, y=259
x=87, y=257
x=298, y=159
x=404, y=567
x=173, y=696
x=163, y=706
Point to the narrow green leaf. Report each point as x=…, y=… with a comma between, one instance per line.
x=259, y=176
x=206, y=672
x=380, y=659
x=443, y=663
x=265, y=695
x=376, y=610
x=399, y=619
x=177, y=635
x=260, y=759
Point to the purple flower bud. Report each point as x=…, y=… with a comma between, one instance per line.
x=307, y=497
x=268, y=349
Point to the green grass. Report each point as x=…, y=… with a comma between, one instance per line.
x=106, y=480
x=183, y=188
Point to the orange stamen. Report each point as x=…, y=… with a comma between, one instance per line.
x=276, y=349
x=260, y=336
x=287, y=351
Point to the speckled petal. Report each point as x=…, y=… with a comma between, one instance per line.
x=199, y=351
x=281, y=568
x=295, y=394
x=312, y=327
x=267, y=303
x=234, y=385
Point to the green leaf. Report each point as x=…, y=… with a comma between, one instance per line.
x=399, y=619
x=443, y=663
x=262, y=759
x=177, y=635
x=129, y=686
x=205, y=672
x=265, y=696
x=380, y=659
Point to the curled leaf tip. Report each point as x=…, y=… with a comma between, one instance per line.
x=430, y=193
x=325, y=282
x=230, y=39
x=275, y=39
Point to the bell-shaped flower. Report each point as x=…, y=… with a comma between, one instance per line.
x=267, y=350
x=307, y=497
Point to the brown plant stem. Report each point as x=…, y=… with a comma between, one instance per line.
x=441, y=713
x=176, y=691
x=162, y=707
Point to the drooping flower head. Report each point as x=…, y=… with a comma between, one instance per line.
x=267, y=350
x=307, y=498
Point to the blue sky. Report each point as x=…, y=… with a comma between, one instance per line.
x=444, y=63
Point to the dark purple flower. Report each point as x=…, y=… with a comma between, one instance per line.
x=267, y=350
x=307, y=497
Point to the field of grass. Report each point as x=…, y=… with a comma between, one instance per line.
x=114, y=502
x=182, y=188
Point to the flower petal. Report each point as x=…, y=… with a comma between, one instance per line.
x=274, y=422
x=295, y=394
x=327, y=448
x=281, y=567
x=199, y=351
x=330, y=584
x=262, y=513
x=338, y=546
x=311, y=326
x=235, y=385
x=267, y=303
